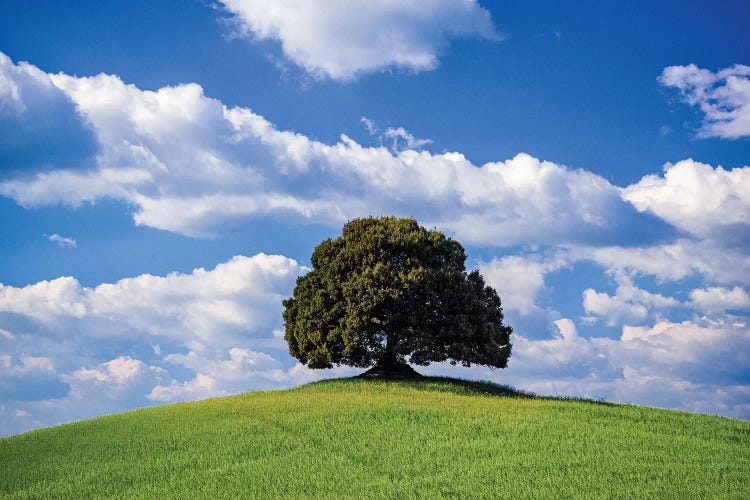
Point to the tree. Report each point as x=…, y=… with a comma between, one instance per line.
x=388, y=290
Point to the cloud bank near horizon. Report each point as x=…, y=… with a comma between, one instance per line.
x=144, y=339
x=150, y=339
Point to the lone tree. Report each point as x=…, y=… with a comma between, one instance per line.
x=388, y=290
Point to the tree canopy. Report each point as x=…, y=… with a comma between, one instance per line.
x=388, y=291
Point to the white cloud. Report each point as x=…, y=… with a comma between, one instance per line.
x=120, y=371
x=202, y=386
x=723, y=97
x=567, y=329
x=238, y=297
x=217, y=376
x=234, y=298
x=219, y=333
x=370, y=125
x=36, y=364
x=72, y=187
x=233, y=371
x=83, y=399
x=615, y=309
x=672, y=261
x=115, y=385
x=16, y=420
x=396, y=139
x=402, y=140
x=62, y=241
x=39, y=122
x=10, y=95
x=630, y=304
x=25, y=365
x=706, y=201
x=189, y=164
x=343, y=39
x=44, y=300
x=696, y=351
x=226, y=320
x=519, y=280
x=695, y=365
x=720, y=299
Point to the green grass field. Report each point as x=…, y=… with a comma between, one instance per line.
x=383, y=439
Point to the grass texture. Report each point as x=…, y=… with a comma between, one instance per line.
x=355, y=438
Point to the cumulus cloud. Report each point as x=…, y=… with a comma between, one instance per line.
x=219, y=376
x=519, y=279
x=25, y=365
x=230, y=373
x=202, y=308
x=73, y=188
x=190, y=165
x=694, y=365
x=44, y=300
x=720, y=299
x=41, y=126
x=566, y=328
x=120, y=371
x=630, y=304
x=672, y=261
x=723, y=97
x=219, y=331
x=699, y=351
x=702, y=200
x=343, y=39
x=94, y=389
x=201, y=387
x=205, y=309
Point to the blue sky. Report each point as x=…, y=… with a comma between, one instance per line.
x=165, y=174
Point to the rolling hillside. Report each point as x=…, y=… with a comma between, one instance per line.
x=384, y=439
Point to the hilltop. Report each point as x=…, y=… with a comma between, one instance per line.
x=384, y=439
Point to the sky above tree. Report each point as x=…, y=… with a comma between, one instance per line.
x=166, y=172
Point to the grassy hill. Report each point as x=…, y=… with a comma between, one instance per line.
x=380, y=439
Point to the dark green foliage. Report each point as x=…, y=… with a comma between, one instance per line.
x=387, y=291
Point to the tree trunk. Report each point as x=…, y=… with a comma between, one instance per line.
x=389, y=367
